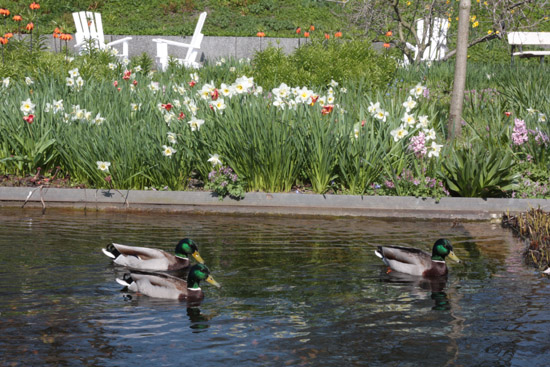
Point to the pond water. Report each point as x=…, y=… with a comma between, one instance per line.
x=295, y=292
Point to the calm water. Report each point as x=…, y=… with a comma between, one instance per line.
x=295, y=292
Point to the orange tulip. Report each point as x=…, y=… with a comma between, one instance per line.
x=4, y=12
x=34, y=6
x=306, y=34
x=8, y=35
x=298, y=30
x=327, y=36
x=389, y=33
x=57, y=30
x=386, y=45
x=260, y=34
x=17, y=18
x=3, y=40
x=311, y=28
x=65, y=37
x=30, y=26
x=325, y=110
x=338, y=34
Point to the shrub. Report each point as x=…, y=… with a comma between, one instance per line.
x=318, y=62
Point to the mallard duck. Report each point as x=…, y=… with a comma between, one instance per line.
x=414, y=261
x=144, y=258
x=161, y=285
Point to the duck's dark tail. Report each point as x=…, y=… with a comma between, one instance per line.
x=111, y=251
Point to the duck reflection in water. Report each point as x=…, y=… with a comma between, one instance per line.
x=436, y=287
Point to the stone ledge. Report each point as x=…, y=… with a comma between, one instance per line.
x=266, y=203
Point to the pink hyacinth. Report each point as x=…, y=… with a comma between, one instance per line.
x=519, y=133
x=418, y=145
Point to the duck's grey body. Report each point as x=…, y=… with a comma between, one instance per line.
x=144, y=258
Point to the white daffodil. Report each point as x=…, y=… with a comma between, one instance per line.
x=28, y=81
x=74, y=73
x=154, y=87
x=194, y=76
x=356, y=130
x=399, y=133
x=330, y=98
x=137, y=69
x=176, y=103
x=6, y=82
x=79, y=82
x=215, y=159
x=429, y=134
x=168, y=151
x=58, y=106
x=232, y=69
x=333, y=83
x=195, y=123
x=258, y=90
x=409, y=119
x=304, y=95
x=531, y=111
x=98, y=120
x=434, y=149
x=343, y=90
x=70, y=82
x=542, y=117
x=282, y=91
x=135, y=106
x=27, y=107
x=418, y=90
x=381, y=115
x=225, y=90
x=172, y=137
x=409, y=104
x=218, y=104
x=278, y=102
x=373, y=108
x=88, y=116
x=192, y=107
x=103, y=166
x=423, y=122
x=69, y=59
x=112, y=66
x=169, y=117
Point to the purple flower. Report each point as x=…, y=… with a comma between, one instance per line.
x=519, y=133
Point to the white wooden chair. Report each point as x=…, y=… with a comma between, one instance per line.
x=89, y=33
x=436, y=41
x=192, y=48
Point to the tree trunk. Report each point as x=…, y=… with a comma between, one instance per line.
x=457, y=99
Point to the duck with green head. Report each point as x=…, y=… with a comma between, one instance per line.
x=160, y=285
x=144, y=258
x=414, y=261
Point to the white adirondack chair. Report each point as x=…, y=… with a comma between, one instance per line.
x=192, y=48
x=436, y=41
x=89, y=33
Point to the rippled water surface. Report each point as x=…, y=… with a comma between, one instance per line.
x=295, y=291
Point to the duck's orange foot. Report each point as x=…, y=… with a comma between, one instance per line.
x=388, y=271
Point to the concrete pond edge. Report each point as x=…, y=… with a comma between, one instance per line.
x=267, y=203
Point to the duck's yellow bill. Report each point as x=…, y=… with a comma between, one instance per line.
x=212, y=281
x=197, y=257
x=453, y=257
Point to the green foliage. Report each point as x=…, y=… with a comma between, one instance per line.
x=316, y=63
x=478, y=170
x=224, y=182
